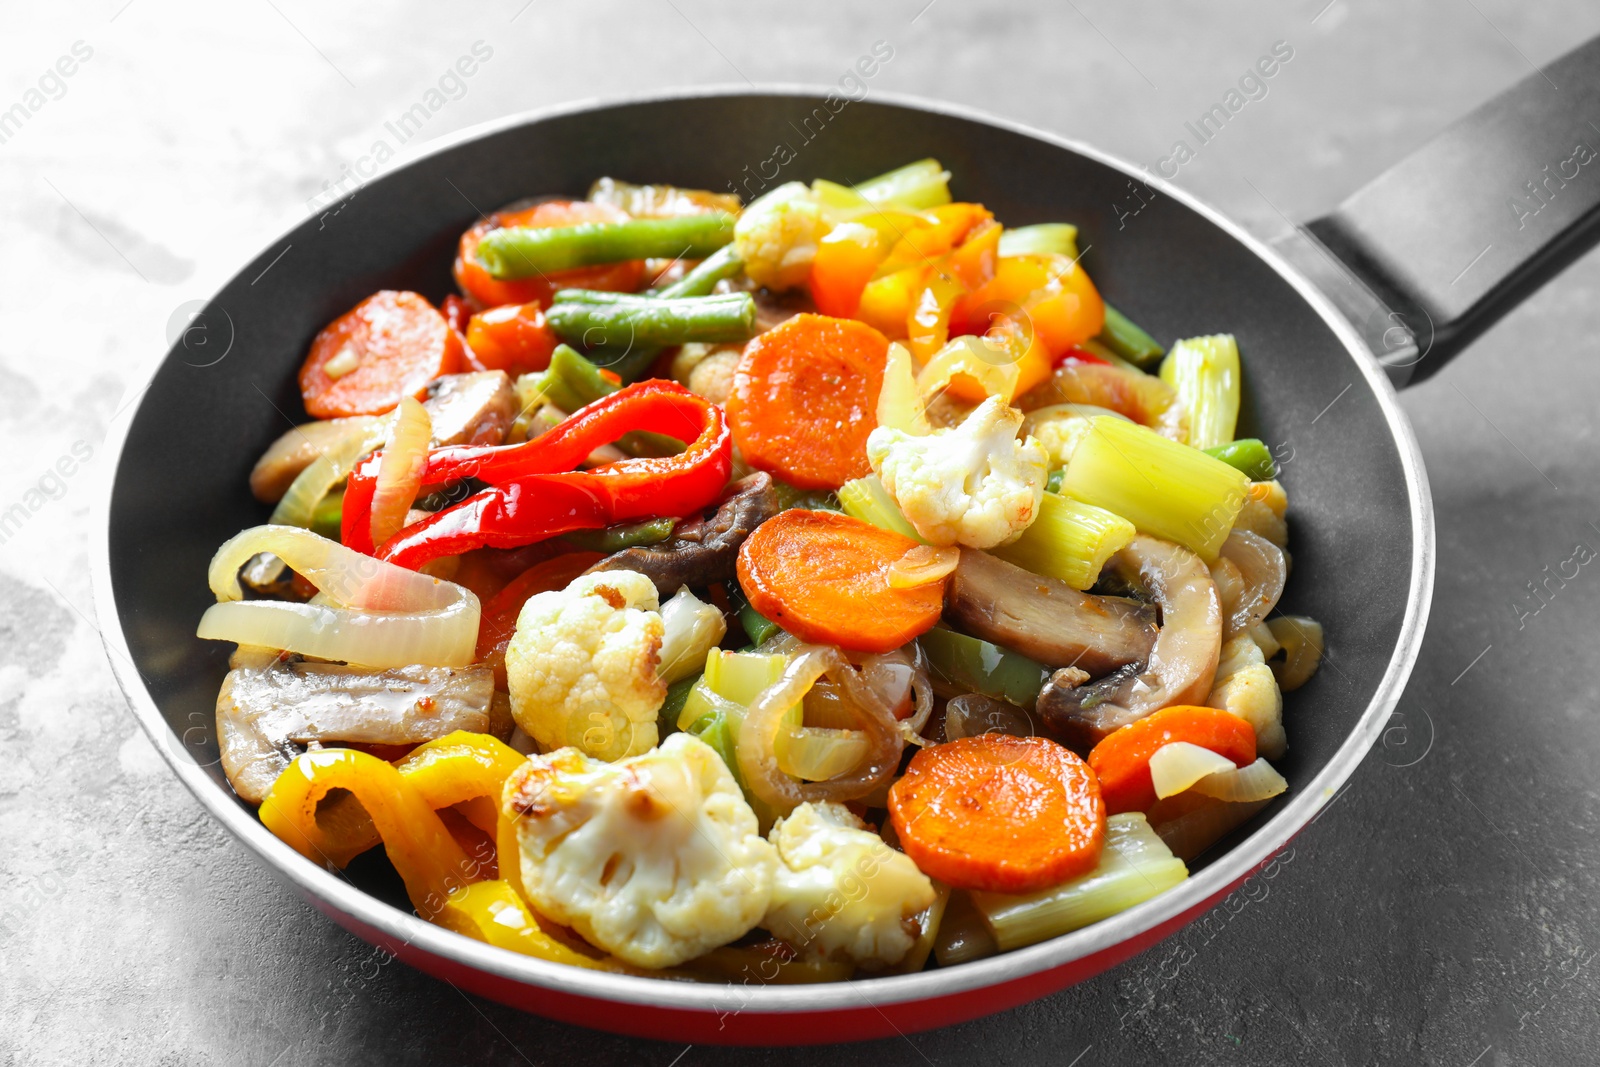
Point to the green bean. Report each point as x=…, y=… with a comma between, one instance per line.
x=628, y=535
x=723, y=263
x=1128, y=340
x=642, y=321
x=756, y=625
x=571, y=382
x=1247, y=454
x=525, y=251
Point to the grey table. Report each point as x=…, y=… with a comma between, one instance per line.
x=1444, y=908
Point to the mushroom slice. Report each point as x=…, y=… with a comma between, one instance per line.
x=1045, y=617
x=704, y=550
x=269, y=706
x=476, y=408
x=1181, y=664
x=465, y=409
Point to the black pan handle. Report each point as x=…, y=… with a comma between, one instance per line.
x=1452, y=237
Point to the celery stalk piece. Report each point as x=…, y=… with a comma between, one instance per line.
x=716, y=706
x=866, y=499
x=1060, y=238
x=1205, y=373
x=1135, y=866
x=1165, y=489
x=1069, y=540
x=1127, y=340
x=915, y=186
x=815, y=754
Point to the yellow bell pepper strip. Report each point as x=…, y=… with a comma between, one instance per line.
x=459, y=768
x=923, y=244
x=886, y=302
x=494, y=912
x=427, y=858
x=969, y=267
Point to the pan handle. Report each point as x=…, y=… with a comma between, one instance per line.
x=1452, y=237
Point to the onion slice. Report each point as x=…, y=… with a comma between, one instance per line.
x=330, y=468
x=923, y=565
x=1264, y=569
x=400, y=470
x=1243, y=785
x=367, y=612
x=1178, y=765
x=1300, y=638
x=758, y=762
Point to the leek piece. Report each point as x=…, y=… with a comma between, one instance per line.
x=1060, y=238
x=963, y=664
x=1165, y=489
x=866, y=499
x=1248, y=454
x=1204, y=371
x=715, y=709
x=1127, y=340
x=672, y=707
x=915, y=186
x=1134, y=866
x=1069, y=540
x=1177, y=765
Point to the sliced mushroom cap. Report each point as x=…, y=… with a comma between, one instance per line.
x=471, y=409
x=1046, y=618
x=466, y=409
x=704, y=550
x=270, y=706
x=1182, y=661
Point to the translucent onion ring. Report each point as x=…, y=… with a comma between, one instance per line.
x=758, y=762
x=400, y=470
x=1264, y=569
x=330, y=468
x=368, y=612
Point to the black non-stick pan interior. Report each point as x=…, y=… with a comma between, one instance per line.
x=181, y=488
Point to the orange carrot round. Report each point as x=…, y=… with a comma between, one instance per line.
x=805, y=397
x=389, y=346
x=824, y=577
x=490, y=292
x=1122, y=758
x=499, y=620
x=999, y=813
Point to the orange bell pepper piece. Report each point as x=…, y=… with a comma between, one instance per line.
x=846, y=259
x=886, y=302
x=925, y=243
x=1053, y=291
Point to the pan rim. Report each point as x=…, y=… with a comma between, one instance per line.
x=1301, y=808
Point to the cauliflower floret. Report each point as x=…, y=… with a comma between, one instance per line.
x=777, y=236
x=582, y=665
x=1246, y=687
x=656, y=859
x=841, y=893
x=975, y=485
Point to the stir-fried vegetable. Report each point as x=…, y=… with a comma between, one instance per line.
x=1164, y=488
x=1134, y=866
x=804, y=400
x=523, y=251
x=825, y=578
x=1069, y=540
x=1248, y=454
x=1051, y=238
x=389, y=346
x=1205, y=373
x=1122, y=760
x=373, y=613
x=1001, y=813
x=1127, y=340
x=615, y=320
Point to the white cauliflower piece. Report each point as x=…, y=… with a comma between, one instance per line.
x=1246, y=687
x=582, y=665
x=656, y=859
x=840, y=893
x=975, y=484
x=777, y=235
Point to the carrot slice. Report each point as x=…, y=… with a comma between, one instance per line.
x=1122, y=758
x=805, y=397
x=499, y=619
x=490, y=292
x=999, y=813
x=513, y=338
x=389, y=346
x=824, y=577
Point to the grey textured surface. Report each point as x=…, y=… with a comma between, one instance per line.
x=1444, y=910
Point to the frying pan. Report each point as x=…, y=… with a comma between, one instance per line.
x=1381, y=292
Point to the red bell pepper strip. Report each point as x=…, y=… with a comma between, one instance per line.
x=536, y=492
